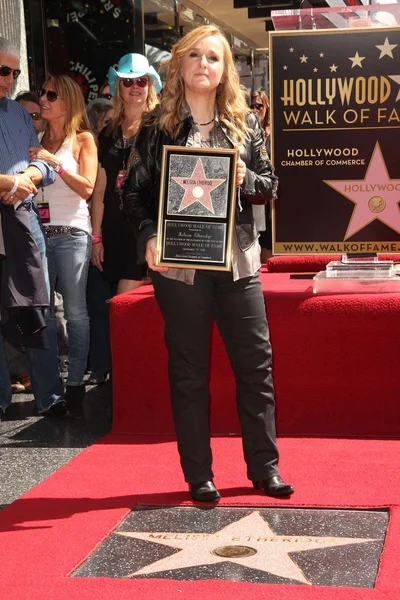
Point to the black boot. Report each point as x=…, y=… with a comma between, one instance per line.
x=204, y=491
x=274, y=487
x=74, y=396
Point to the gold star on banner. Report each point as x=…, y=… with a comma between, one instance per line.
x=356, y=60
x=386, y=49
x=321, y=54
x=315, y=69
x=333, y=68
x=396, y=78
x=303, y=58
x=291, y=49
x=272, y=553
x=285, y=67
x=374, y=197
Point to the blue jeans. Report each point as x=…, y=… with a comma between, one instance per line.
x=69, y=255
x=42, y=364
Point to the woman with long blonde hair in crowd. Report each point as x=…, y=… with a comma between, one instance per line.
x=203, y=106
x=134, y=86
x=69, y=147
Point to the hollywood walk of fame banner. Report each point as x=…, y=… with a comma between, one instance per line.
x=335, y=126
x=197, y=208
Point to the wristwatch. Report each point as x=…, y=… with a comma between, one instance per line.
x=59, y=166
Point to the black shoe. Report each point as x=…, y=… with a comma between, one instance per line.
x=204, y=491
x=57, y=410
x=74, y=396
x=274, y=486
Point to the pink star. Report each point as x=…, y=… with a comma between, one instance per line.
x=375, y=197
x=197, y=188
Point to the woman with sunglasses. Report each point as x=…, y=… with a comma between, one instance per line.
x=104, y=91
x=259, y=104
x=31, y=103
x=134, y=86
x=203, y=106
x=70, y=148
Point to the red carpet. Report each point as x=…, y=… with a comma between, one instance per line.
x=335, y=363
x=50, y=530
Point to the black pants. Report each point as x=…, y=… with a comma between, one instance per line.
x=239, y=311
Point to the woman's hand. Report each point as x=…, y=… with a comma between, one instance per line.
x=240, y=171
x=151, y=255
x=98, y=255
x=43, y=154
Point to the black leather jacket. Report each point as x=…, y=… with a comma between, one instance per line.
x=142, y=186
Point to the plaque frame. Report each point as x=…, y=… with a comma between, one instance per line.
x=223, y=223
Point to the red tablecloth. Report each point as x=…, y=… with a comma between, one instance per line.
x=335, y=363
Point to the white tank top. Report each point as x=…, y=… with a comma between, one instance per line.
x=66, y=207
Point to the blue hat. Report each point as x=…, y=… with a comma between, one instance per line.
x=131, y=66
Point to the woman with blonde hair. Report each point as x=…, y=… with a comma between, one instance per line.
x=134, y=86
x=68, y=145
x=259, y=104
x=202, y=106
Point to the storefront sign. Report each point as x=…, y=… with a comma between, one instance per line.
x=83, y=76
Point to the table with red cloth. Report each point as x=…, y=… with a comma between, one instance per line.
x=335, y=362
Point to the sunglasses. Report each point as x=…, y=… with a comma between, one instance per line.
x=106, y=96
x=50, y=95
x=256, y=106
x=139, y=81
x=35, y=116
x=6, y=71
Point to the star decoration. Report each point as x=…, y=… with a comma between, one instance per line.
x=303, y=58
x=285, y=67
x=291, y=49
x=374, y=197
x=321, y=54
x=315, y=69
x=198, y=188
x=386, y=49
x=333, y=68
x=356, y=60
x=272, y=551
x=396, y=78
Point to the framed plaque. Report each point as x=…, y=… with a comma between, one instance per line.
x=197, y=208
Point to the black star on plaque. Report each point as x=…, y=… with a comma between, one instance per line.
x=280, y=546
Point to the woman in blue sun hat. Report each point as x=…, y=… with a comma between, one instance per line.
x=134, y=85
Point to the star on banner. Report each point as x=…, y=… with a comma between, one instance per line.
x=285, y=67
x=321, y=54
x=333, y=68
x=291, y=49
x=356, y=60
x=374, y=197
x=315, y=69
x=386, y=49
x=303, y=58
x=198, y=188
x=396, y=78
x=270, y=552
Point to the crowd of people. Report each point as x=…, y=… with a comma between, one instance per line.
x=85, y=192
